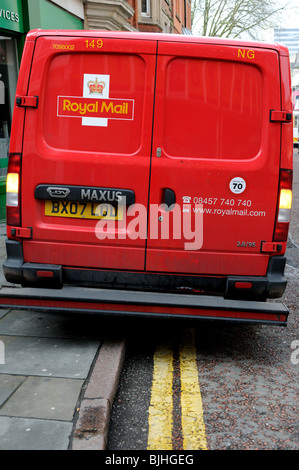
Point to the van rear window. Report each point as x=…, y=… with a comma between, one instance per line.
x=94, y=102
x=213, y=109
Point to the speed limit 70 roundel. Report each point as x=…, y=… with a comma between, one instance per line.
x=237, y=185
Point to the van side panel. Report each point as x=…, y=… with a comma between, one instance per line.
x=16, y=141
x=286, y=103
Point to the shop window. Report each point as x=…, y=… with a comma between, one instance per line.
x=8, y=83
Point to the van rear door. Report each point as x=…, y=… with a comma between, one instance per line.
x=215, y=161
x=87, y=143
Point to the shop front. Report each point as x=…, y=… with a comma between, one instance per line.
x=17, y=17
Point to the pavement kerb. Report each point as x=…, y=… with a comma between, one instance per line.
x=92, y=423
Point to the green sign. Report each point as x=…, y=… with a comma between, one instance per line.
x=47, y=15
x=11, y=15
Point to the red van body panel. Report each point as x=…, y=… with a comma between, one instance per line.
x=151, y=162
x=60, y=142
x=216, y=131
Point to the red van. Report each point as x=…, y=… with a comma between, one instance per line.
x=150, y=162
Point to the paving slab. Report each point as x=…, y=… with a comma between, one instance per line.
x=44, y=398
x=48, y=356
x=43, y=324
x=3, y=311
x=34, y=434
x=8, y=385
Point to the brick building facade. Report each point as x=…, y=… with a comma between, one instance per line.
x=167, y=16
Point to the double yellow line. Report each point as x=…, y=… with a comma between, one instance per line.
x=161, y=406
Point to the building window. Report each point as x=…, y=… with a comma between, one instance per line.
x=145, y=8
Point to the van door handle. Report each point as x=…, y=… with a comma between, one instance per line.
x=169, y=199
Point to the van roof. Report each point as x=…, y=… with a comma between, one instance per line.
x=280, y=48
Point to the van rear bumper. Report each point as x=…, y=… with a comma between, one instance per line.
x=272, y=285
x=88, y=300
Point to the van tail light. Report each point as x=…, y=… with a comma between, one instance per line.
x=13, y=193
x=284, y=206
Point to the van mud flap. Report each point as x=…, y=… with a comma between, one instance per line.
x=148, y=304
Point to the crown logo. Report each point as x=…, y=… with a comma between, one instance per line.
x=96, y=87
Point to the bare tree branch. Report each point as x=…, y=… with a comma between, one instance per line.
x=232, y=18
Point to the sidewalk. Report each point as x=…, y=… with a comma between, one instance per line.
x=58, y=378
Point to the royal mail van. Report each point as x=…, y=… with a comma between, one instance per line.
x=150, y=162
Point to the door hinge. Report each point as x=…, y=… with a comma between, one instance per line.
x=27, y=101
x=280, y=116
x=271, y=247
x=21, y=232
